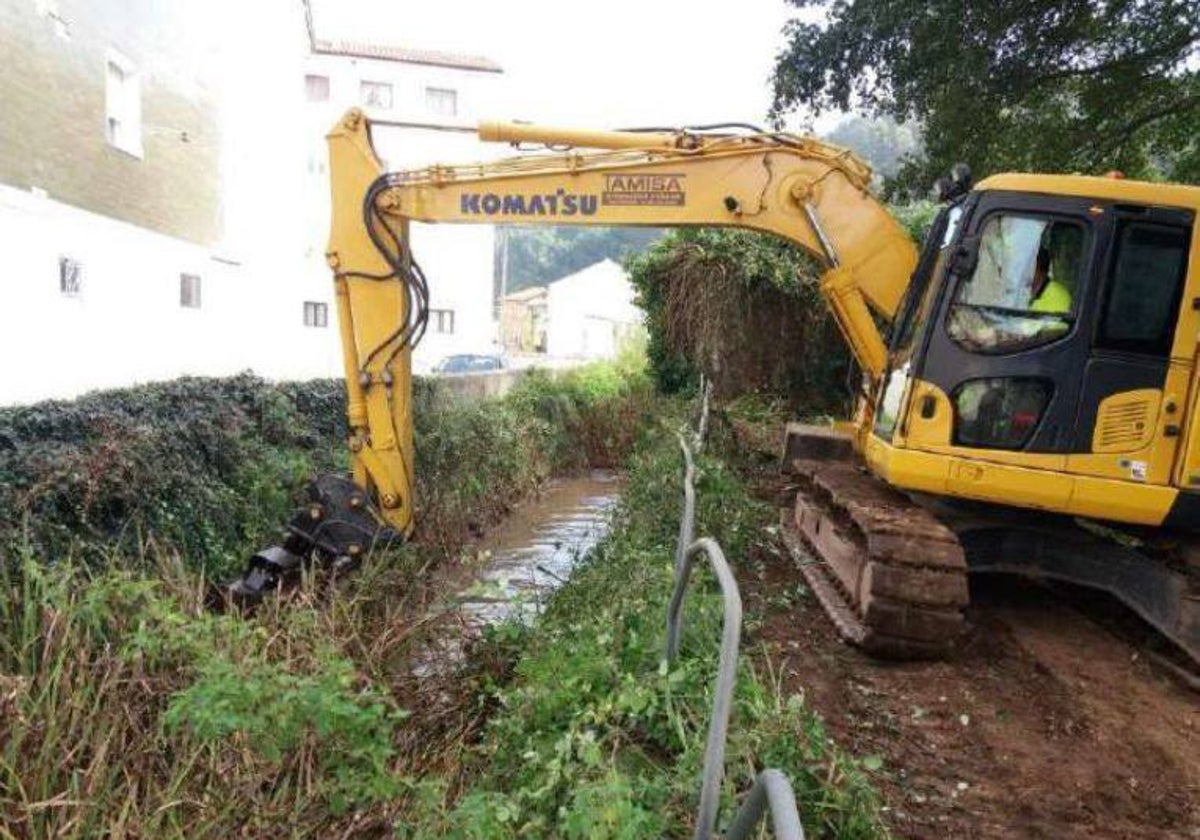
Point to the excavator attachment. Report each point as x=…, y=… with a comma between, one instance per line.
x=334, y=530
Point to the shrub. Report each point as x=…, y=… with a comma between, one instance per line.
x=211, y=468
x=743, y=307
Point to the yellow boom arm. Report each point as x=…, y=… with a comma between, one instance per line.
x=808, y=192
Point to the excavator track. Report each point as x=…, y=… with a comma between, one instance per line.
x=891, y=576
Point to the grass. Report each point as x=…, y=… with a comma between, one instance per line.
x=127, y=709
x=594, y=738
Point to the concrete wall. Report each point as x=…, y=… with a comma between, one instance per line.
x=53, y=132
x=475, y=386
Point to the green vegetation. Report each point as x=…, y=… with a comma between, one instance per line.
x=210, y=468
x=594, y=739
x=1035, y=86
x=126, y=707
x=745, y=308
x=206, y=466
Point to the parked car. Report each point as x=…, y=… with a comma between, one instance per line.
x=469, y=363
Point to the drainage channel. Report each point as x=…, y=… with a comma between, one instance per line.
x=534, y=551
x=523, y=561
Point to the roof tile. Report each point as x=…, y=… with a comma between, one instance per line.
x=408, y=55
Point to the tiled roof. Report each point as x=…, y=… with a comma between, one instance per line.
x=526, y=294
x=391, y=52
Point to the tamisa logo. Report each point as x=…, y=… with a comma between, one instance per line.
x=657, y=190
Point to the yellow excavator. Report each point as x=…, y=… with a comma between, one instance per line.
x=1030, y=378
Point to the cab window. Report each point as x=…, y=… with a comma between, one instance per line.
x=1146, y=284
x=1025, y=285
x=999, y=413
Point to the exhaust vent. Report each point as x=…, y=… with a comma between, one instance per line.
x=1125, y=422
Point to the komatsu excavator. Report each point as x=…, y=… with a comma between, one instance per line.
x=1030, y=374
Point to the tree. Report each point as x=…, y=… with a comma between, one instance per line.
x=1042, y=85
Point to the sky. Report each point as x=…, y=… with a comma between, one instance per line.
x=613, y=63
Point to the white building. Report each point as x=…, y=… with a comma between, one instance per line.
x=111, y=202
x=164, y=194
x=437, y=98
x=591, y=312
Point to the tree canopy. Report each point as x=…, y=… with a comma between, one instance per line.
x=1041, y=85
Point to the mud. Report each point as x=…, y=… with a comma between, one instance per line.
x=1053, y=719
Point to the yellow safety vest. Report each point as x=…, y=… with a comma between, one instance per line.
x=1054, y=299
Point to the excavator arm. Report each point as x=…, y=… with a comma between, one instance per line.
x=808, y=192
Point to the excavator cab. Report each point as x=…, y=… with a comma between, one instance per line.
x=1048, y=357
x=1037, y=416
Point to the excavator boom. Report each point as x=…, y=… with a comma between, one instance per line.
x=810, y=193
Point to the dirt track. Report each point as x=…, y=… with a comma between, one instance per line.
x=1045, y=725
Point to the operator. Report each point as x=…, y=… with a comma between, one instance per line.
x=1049, y=295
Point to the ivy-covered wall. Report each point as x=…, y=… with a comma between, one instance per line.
x=210, y=468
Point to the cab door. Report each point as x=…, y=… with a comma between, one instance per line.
x=1010, y=342
x=1133, y=391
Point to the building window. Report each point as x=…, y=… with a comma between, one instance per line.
x=375, y=94
x=123, y=104
x=316, y=88
x=70, y=276
x=441, y=101
x=442, y=320
x=316, y=314
x=189, y=291
x=49, y=10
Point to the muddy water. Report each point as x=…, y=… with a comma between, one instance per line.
x=533, y=552
x=520, y=564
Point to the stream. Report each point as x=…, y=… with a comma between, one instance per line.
x=525, y=558
x=534, y=551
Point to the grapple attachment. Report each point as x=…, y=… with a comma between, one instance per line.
x=334, y=530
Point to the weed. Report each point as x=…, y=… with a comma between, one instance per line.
x=127, y=709
x=594, y=738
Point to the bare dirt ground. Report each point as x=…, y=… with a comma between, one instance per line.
x=1046, y=724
